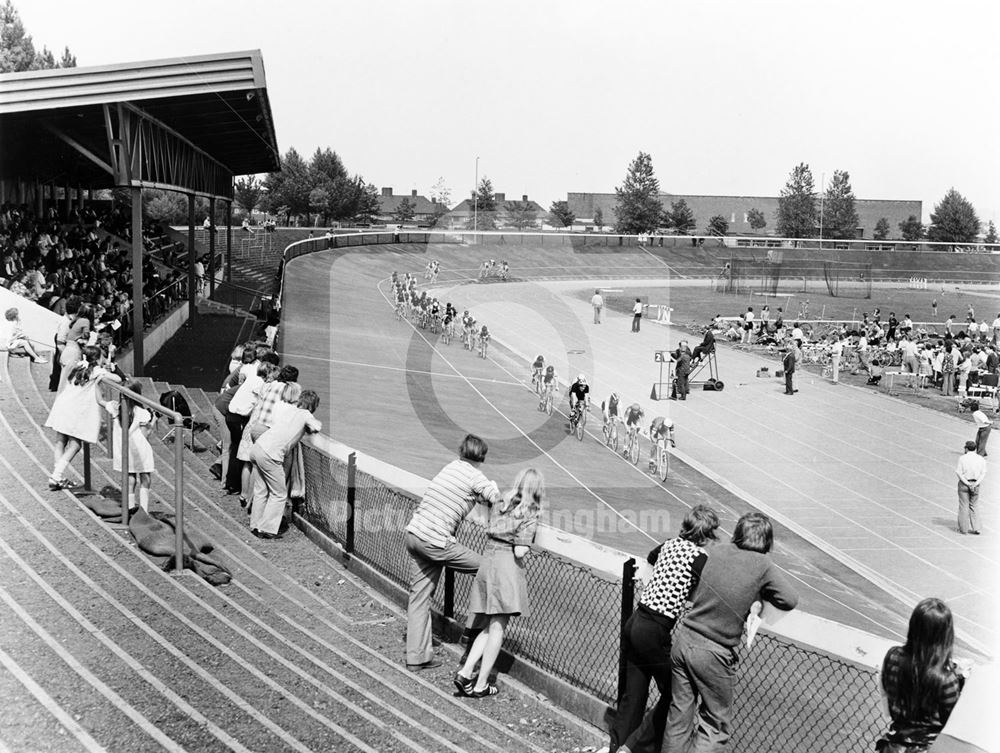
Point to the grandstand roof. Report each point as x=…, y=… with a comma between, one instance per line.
x=54, y=124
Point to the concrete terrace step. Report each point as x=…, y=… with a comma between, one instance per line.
x=294, y=654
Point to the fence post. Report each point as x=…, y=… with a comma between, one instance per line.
x=628, y=601
x=351, y=471
x=179, y=494
x=125, y=419
x=86, y=467
x=449, y=593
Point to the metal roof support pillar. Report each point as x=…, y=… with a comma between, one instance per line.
x=229, y=241
x=211, y=247
x=66, y=201
x=138, y=315
x=192, y=258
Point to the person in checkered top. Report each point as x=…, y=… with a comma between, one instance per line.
x=677, y=565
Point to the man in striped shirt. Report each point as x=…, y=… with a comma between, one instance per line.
x=430, y=540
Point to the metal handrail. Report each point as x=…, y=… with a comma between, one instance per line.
x=127, y=398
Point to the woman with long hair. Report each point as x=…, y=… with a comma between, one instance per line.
x=500, y=590
x=76, y=414
x=920, y=683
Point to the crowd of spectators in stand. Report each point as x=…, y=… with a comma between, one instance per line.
x=88, y=258
x=262, y=413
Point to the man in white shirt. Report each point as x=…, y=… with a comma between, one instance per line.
x=836, y=352
x=970, y=471
x=598, y=303
x=636, y=314
x=983, y=427
x=747, y=325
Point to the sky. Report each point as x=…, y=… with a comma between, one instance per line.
x=558, y=96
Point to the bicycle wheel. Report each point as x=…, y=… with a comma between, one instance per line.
x=549, y=404
x=581, y=425
x=614, y=437
x=664, y=465
x=633, y=450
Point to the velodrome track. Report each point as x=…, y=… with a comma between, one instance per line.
x=868, y=481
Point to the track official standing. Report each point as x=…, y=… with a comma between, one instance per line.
x=983, y=427
x=636, y=314
x=430, y=540
x=788, y=364
x=598, y=303
x=970, y=471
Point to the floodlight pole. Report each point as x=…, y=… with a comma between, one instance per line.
x=822, y=181
x=475, y=200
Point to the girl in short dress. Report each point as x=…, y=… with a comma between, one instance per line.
x=140, y=453
x=500, y=590
x=76, y=414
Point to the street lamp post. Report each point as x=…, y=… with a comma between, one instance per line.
x=475, y=197
x=822, y=183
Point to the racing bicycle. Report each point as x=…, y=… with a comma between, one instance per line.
x=611, y=433
x=632, y=445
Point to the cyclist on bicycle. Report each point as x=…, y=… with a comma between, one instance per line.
x=579, y=392
x=610, y=408
x=549, y=384
x=633, y=421
x=536, y=369
x=484, y=337
x=661, y=428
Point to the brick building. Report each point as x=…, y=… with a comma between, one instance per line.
x=736, y=208
x=461, y=217
x=423, y=208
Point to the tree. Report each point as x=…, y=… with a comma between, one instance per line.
x=638, y=209
x=991, y=233
x=441, y=193
x=484, y=207
x=17, y=50
x=368, y=205
x=881, y=231
x=561, y=213
x=840, y=218
x=598, y=217
x=756, y=219
x=796, y=216
x=682, y=218
x=289, y=188
x=404, y=212
x=911, y=229
x=168, y=207
x=953, y=220
x=717, y=226
x=247, y=192
x=319, y=202
x=520, y=214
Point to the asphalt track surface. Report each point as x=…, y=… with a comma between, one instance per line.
x=867, y=481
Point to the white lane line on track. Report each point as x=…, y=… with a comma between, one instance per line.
x=51, y=705
x=399, y=368
x=250, y=571
x=118, y=651
x=122, y=705
x=661, y=261
x=510, y=421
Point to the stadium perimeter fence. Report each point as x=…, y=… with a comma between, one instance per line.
x=806, y=684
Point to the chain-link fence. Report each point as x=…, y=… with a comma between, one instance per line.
x=789, y=697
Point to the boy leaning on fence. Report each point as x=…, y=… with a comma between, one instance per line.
x=430, y=540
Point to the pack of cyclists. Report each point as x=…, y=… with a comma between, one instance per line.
x=427, y=312
x=491, y=268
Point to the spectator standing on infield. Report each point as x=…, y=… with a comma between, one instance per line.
x=788, y=364
x=636, y=315
x=430, y=540
x=703, y=657
x=970, y=471
x=682, y=370
x=598, y=303
x=836, y=353
x=983, y=427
